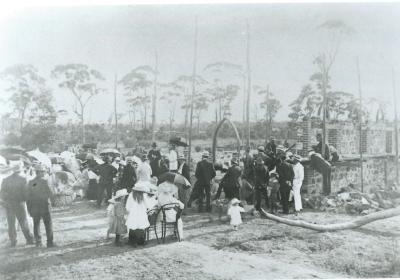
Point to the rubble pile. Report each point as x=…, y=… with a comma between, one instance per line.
x=351, y=201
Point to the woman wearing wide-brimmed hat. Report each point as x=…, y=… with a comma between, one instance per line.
x=137, y=220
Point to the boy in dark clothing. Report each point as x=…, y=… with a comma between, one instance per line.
x=274, y=192
x=261, y=178
x=286, y=175
x=38, y=196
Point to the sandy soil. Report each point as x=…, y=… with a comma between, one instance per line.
x=211, y=250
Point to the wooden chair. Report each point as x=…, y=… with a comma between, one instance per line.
x=170, y=225
x=152, y=214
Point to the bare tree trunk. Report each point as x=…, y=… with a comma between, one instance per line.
x=153, y=113
x=83, y=125
x=193, y=93
x=198, y=123
x=360, y=128
x=396, y=128
x=145, y=108
x=115, y=112
x=266, y=115
x=334, y=227
x=248, y=82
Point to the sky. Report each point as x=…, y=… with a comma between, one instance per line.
x=284, y=40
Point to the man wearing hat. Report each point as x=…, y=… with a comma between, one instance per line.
x=38, y=196
x=269, y=161
x=154, y=156
x=286, y=175
x=271, y=147
x=298, y=170
x=248, y=166
x=183, y=168
x=173, y=158
x=107, y=173
x=128, y=177
x=204, y=173
x=13, y=191
x=231, y=181
x=261, y=179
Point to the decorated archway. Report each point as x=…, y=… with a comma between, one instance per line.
x=214, y=144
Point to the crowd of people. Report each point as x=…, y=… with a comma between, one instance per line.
x=131, y=187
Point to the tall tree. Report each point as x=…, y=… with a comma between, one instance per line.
x=184, y=84
x=170, y=95
x=200, y=104
x=135, y=84
x=271, y=105
x=81, y=81
x=140, y=79
x=335, y=29
x=310, y=102
x=30, y=98
x=222, y=90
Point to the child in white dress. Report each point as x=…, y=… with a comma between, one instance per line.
x=234, y=212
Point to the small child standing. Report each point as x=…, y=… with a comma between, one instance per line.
x=116, y=215
x=234, y=212
x=274, y=189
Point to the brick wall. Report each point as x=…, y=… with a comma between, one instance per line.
x=377, y=171
x=376, y=138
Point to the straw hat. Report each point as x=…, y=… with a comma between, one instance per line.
x=235, y=201
x=181, y=157
x=205, y=154
x=142, y=186
x=118, y=194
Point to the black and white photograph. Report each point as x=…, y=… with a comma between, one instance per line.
x=199, y=140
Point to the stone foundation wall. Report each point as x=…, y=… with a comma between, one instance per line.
x=377, y=171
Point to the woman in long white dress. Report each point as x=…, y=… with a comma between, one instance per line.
x=137, y=220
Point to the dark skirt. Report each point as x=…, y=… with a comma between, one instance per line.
x=91, y=193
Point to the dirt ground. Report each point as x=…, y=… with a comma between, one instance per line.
x=260, y=249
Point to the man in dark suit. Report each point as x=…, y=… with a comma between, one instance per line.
x=154, y=157
x=286, y=175
x=205, y=172
x=129, y=177
x=231, y=182
x=38, y=196
x=13, y=195
x=261, y=179
x=107, y=173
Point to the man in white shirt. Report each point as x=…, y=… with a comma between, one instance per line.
x=173, y=159
x=298, y=170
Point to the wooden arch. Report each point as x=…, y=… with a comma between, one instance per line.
x=214, y=144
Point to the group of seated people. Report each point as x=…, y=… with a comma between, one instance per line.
x=131, y=212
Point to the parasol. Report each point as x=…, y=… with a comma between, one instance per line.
x=174, y=178
x=11, y=153
x=95, y=158
x=3, y=161
x=178, y=141
x=110, y=151
x=67, y=155
x=41, y=157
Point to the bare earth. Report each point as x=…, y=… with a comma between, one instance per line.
x=260, y=249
